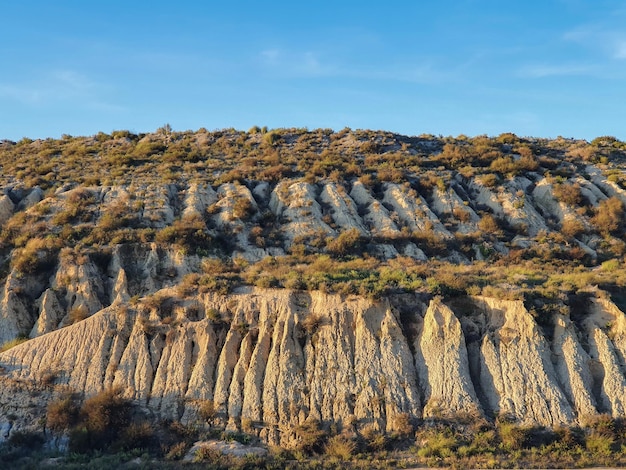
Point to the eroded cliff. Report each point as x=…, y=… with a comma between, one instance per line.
x=277, y=358
x=379, y=264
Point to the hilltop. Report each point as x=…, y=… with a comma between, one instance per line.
x=367, y=282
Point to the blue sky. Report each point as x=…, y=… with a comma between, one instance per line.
x=535, y=68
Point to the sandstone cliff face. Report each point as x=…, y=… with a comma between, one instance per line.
x=278, y=357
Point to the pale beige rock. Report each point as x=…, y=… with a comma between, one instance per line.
x=606, y=329
x=6, y=208
x=512, y=203
x=442, y=365
x=342, y=208
x=229, y=196
x=610, y=188
x=16, y=319
x=297, y=204
x=413, y=210
x=120, y=289
x=34, y=196
x=50, y=314
x=277, y=358
x=572, y=368
x=377, y=216
x=155, y=203
x=517, y=376
x=544, y=198
x=198, y=197
x=589, y=190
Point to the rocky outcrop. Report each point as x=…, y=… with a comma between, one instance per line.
x=572, y=368
x=442, y=365
x=16, y=318
x=516, y=375
x=297, y=204
x=6, y=208
x=277, y=358
x=197, y=199
x=413, y=210
x=343, y=210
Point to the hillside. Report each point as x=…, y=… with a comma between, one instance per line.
x=358, y=279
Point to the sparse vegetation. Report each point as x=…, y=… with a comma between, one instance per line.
x=12, y=343
x=223, y=244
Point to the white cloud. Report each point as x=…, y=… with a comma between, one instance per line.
x=608, y=41
x=58, y=86
x=620, y=49
x=296, y=64
x=270, y=56
x=23, y=94
x=552, y=70
x=308, y=64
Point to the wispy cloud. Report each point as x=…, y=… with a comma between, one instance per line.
x=59, y=86
x=308, y=64
x=553, y=70
x=620, y=49
x=296, y=64
x=608, y=41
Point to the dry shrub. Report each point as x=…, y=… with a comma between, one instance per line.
x=603, y=424
x=62, y=414
x=569, y=194
x=38, y=255
x=348, y=242
x=12, y=343
x=489, y=180
x=375, y=440
x=242, y=208
x=77, y=314
x=309, y=436
x=571, y=228
x=137, y=436
x=312, y=323
x=608, y=216
x=488, y=224
x=206, y=410
x=461, y=215
x=341, y=447
x=401, y=425
x=177, y=451
x=102, y=419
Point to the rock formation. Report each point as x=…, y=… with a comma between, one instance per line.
x=280, y=357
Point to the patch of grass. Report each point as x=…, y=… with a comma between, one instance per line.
x=12, y=343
